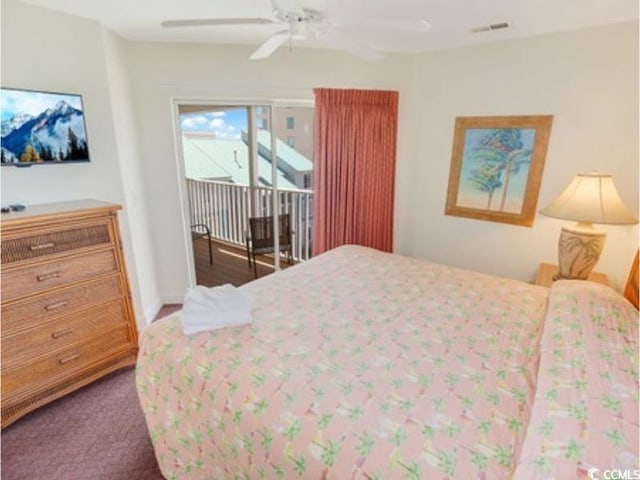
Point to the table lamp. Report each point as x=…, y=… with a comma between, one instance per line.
x=590, y=198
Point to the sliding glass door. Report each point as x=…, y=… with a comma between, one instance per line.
x=245, y=161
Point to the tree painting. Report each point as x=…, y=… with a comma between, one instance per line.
x=501, y=154
x=496, y=167
x=495, y=161
x=486, y=178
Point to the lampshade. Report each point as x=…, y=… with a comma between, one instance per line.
x=590, y=198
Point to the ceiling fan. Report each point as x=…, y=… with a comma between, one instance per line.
x=303, y=23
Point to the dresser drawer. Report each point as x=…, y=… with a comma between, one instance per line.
x=57, y=335
x=30, y=313
x=50, y=242
x=45, y=371
x=41, y=277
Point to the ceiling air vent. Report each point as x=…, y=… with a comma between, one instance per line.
x=499, y=26
x=488, y=28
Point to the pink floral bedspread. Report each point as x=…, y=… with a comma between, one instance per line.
x=585, y=414
x=358, y=364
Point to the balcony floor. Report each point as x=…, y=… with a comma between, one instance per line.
x=229, y=264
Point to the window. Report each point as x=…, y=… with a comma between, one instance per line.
x=307, y=180
x=291, y=141
x=290, y=124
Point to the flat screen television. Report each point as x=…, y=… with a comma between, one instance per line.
x=41, y=128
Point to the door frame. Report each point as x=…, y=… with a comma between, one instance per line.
x=181, y=182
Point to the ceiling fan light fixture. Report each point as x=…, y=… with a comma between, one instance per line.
x=298, y=30
x=305, y=23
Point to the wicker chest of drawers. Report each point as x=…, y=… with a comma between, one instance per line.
x=67, y=317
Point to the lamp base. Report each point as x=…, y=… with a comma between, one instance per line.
x=579, y=249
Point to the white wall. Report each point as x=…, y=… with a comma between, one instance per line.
x=45, y=50
x=42, y=49
x=142, y=262
x=587, y=79
x=162, y=72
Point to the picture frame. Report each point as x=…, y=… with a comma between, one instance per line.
x=496, y=167
x=42, y=128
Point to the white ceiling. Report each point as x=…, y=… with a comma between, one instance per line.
x=450, y=20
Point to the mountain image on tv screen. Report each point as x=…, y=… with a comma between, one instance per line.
x=42, y=128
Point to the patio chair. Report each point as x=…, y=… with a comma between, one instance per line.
x=200, y=230
x=260, y=238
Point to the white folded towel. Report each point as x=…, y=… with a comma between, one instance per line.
x=212, y=308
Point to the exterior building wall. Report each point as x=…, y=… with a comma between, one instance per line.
x=301, y=133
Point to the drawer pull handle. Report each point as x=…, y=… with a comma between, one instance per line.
x=55, y=306
x=42, y=246
x=62, y=333
x=68, y=358
x=48, y=276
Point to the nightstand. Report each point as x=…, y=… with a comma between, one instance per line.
x=546, y=271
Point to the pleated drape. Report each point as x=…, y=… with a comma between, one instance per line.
x=354, y=168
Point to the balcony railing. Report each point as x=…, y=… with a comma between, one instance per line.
x=225, y=209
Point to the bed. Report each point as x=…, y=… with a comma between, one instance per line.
x=362, y=364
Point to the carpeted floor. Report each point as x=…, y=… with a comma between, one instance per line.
x=95, y=433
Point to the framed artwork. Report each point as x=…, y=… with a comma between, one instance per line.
x=496, y=167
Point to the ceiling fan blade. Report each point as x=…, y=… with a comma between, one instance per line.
x=339, y=40
x=289, y=6
x=270, y=45
x=382, y=24
x=201, y=22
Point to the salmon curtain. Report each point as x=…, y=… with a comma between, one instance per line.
x=354, y=168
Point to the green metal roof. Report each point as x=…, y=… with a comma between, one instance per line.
x=199, y=163
x=225, y=160
x=295, y=159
